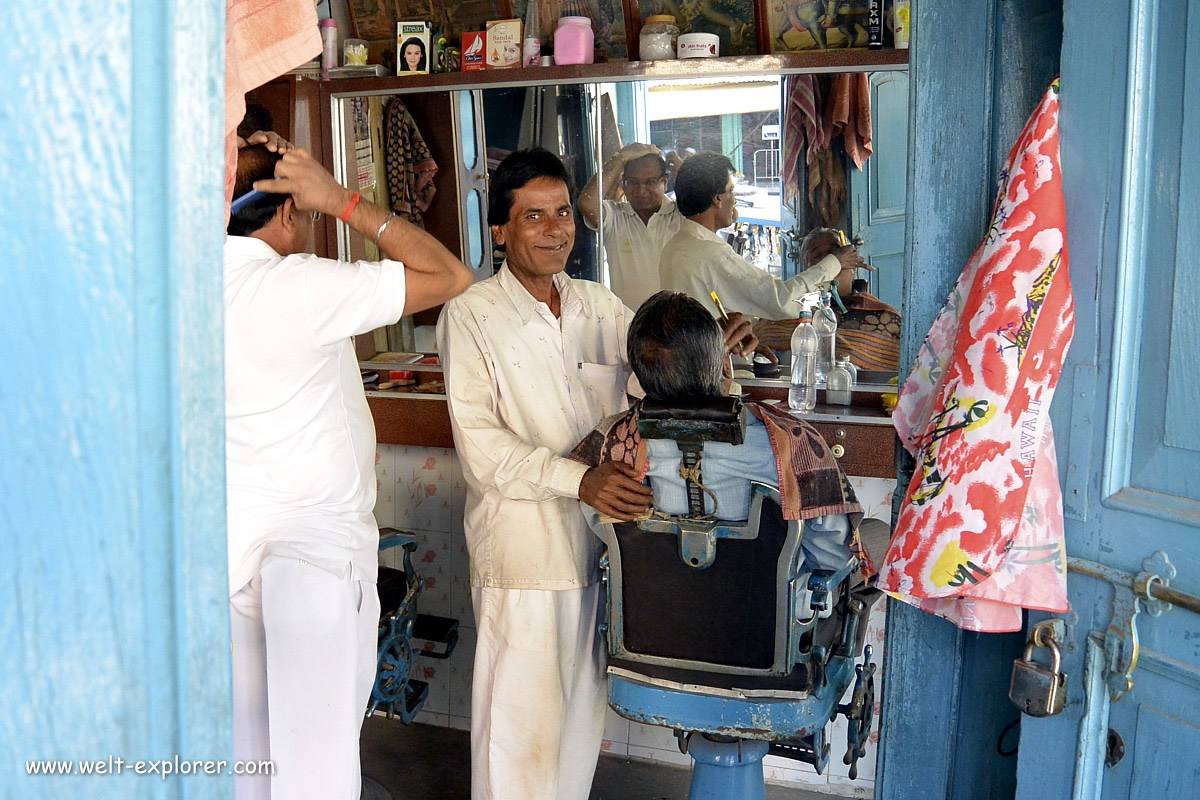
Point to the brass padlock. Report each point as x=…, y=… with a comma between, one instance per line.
x=1034, y=689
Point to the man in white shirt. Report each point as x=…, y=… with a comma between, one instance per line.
x=698, y=261
x=300, y=455
x=638, y=227
x=532, y=361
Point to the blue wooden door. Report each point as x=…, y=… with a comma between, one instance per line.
x=114, y=640
x=1126, y=413
x=878, y=194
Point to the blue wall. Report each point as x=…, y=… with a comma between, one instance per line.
x=113, y=611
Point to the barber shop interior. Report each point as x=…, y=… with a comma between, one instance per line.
x=603, y=399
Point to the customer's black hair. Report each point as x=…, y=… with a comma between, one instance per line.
x=676, y=349
x=701, y=178
x=255, y=163
x=517, y=169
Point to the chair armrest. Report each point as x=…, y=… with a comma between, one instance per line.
x=394, y=537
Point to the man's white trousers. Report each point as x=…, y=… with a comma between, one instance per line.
x=304, y=644
x=538, y=694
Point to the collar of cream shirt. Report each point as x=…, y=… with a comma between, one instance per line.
x=527, y=305
x=699, y=231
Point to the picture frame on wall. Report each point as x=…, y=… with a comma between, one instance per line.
x=795, y=25
x=455, y=17
x=735, y=22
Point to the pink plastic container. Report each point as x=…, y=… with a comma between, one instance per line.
x=573, y=41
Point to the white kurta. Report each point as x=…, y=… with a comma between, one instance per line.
x=524, y=388
x=697, y=261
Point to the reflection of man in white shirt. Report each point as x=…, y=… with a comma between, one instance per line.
x=638, y=227
x=698, y=261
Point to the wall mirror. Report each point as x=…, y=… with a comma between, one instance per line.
x=427, y=154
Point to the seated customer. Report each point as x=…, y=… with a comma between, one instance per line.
x=677, y=352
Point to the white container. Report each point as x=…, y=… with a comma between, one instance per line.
x=329, y=44
x=901, y=23
x=656, y=42
x=698, y=45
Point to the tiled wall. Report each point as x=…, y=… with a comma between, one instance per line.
x=421, y=490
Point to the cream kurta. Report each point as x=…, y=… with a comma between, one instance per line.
x=523, y=389
x=697, y=261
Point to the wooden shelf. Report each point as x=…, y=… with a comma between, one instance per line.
x=810, y=61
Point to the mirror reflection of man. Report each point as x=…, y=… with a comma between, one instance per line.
x=698, y=261
x=532, y=361
x=637, y=227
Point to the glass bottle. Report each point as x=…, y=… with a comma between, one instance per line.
x=837, y=386
x=531, y=47
x=825, y=323
x=802, y=396
x=851, y=368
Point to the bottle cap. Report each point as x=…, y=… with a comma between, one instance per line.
x=660, y=18
x=329, y=23
x=575, y=21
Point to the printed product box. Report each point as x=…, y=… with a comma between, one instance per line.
x=472, y=50
x=503, y=43
x=412, y=48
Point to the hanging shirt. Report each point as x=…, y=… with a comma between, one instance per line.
x=697, y=261
x=634, y=248
x=523, y=389
x=299, y=437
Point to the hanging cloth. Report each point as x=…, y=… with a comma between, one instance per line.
x=848, y=114
x=803, y=132
x=410, y=165
x=263, y=40
x=980, y=532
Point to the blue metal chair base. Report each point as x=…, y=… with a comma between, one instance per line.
x=726, y=770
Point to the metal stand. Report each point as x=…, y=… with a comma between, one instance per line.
x=726, y=770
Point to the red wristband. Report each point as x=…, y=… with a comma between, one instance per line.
x=345, y=215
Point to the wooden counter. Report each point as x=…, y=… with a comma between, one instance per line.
x=860, y=435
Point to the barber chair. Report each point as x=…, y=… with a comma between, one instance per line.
x=400, y=626
x=715, y=628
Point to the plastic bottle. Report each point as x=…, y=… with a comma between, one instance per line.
x=851, y=368
x=574, y=41
x=825, y=323
x=837, y=386
x=531, y=46
x=802, y=396
x=329, y=44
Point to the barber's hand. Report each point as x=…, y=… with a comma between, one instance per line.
x=739, y=335
x=850, y=259
x=273, y=141
x=311, y=186
x=614, y=490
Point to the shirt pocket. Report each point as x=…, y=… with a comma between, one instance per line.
x=604, y=388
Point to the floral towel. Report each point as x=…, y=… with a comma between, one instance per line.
x=980, y=532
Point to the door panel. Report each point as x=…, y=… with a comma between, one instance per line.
x=1130, y=163
x=878, y=194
